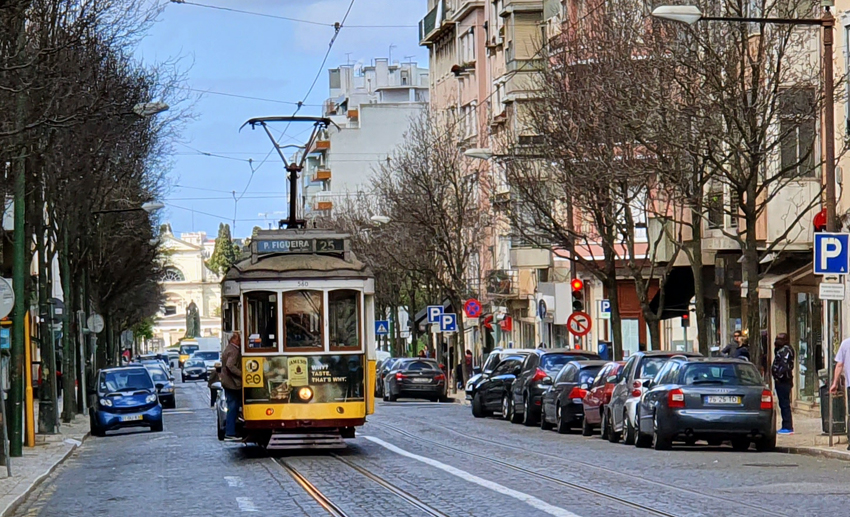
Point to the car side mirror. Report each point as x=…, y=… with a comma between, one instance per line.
x=646, y=383
x=546, y=380
x=159, y=386
x=612, y=379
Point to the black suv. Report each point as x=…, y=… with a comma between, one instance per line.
x=534, y=379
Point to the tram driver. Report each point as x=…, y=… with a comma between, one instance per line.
x=231, y=381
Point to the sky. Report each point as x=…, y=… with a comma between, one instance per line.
x=272, y=59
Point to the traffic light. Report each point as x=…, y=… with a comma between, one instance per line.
x=578, y=294
x=686, y=320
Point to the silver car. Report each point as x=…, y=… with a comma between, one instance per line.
x=619, y=416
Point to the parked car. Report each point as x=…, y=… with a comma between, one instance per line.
x=416, y=378
x=221, y=413
x=381, y=374
x=126, y=397
x=598, y=396
x=164, y=385
x=173, y=359
x=712, y=399
x=640, y=367
x=493, y=359
x=493, y=393
x=194, y=369
x=527, y=390
x=150, y=360
x=209, y=357
x=562, y=403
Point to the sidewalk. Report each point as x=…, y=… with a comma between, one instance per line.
x=808, y=439
x=38, y=462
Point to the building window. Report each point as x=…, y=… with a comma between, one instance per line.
x=344, y=319
x=172, y=274
x=714, y=208
x=261, y=321
x=302, y=317
x=797, y=126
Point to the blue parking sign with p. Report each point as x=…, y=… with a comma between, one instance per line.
x=434, y=313
x=831, y=253
x=448, y=322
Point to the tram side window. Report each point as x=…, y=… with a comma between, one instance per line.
x=302, y=316
x=261, y=316
x=344, y=316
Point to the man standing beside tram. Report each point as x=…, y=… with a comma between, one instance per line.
x=231, y=381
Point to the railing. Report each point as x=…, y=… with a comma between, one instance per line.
x=427, y=24
x=503, y=283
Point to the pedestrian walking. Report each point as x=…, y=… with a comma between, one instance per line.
x=729, y=349
x=743, y=349
x=231, y=381
x=783, y=379
x=841, y=359
x=422, y=354
x=215, y=376
x=467, y=366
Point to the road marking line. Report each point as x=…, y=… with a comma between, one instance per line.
x=246, y=505
x=234, y=481
x=496, y=487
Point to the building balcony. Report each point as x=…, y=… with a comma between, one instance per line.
x=323, y=205
x=354, y=114
x=321, y=175
x=434, y=24
x=464, y=7
x=503, y=283
x=321, y=145
x=520, y=6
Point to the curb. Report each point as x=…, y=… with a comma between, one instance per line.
x=816, y=452
x=10, y=509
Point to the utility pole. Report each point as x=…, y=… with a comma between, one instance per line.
x=19, y=267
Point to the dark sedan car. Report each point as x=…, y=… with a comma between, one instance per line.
x=381, y=371
x=126, y=397
x=493, y=393
x=527, y=390
x=712, y=399
x=493, y=359
x=563, y=402
x=164, y=385
x=415, y=378
x=194, y=369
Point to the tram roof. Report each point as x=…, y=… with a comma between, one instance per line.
x=305, y=265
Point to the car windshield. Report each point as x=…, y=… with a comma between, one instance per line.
x=649, y=366
x=158, y=376
x=188, y=349
x=721, y=373
x=206, y=356
x=420, y=366
x=554, y=362
x=587, y=375
x=125, y=380
x=194, y=363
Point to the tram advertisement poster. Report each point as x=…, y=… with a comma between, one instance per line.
x=333, y=378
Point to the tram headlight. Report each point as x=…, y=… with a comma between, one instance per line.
x=305, y=394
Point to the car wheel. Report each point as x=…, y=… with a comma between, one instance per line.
x=506, y=408
x=741, y=444
x=527, y=417
x=586, y=428
x=156, y=427
x=173, y=403
x=515, y=418
x=95, y=429
x=613, y=436
x=628, y=430
x=477, y=406
x=660, y=442
x=544, y=425
x=391, y=397
x=563, y=427
x=642, y=440
x=766, y=443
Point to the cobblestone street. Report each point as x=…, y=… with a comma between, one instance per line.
x=416, y=458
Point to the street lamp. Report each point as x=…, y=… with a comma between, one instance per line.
x=149, y=207
x=691, y=14
x=479, y=153
x=380, y=219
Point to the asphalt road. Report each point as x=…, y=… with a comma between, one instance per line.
x=418, y=458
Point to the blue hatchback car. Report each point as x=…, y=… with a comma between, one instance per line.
x=126, y=397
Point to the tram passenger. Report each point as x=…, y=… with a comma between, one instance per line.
x=231, y=381
x=214, y=377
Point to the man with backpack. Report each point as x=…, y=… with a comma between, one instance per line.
x=783, y=379
x=841, y=367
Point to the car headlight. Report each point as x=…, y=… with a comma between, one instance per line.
x=106, y=402
x=150, y=398
x=167, y=389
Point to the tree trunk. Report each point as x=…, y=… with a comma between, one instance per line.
x=68, y=363
x=751, y=277
x=47, y=389
x=652, y=325
x=616, y=320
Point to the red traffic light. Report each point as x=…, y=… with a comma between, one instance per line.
x=577, y=284
x=685, y=316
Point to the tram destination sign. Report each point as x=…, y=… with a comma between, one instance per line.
x=301, y=246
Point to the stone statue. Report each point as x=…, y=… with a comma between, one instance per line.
x=193, y=321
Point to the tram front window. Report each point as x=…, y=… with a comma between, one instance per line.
x=302, y=320
x=344, y=316
x=261, y=320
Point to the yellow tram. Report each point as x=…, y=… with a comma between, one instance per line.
x=304, y=307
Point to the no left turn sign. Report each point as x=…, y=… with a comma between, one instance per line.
x=579, y=324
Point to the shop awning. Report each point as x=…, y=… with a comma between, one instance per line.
x=678, y=291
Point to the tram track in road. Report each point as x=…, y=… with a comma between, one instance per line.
x=757, y=510
x=646, y=510
x=334, y=509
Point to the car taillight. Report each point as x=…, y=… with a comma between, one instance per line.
x=766, y=399
x=578, y=393
x=399, y=376
x=676, y=399
x=439, y=377
x=539, y=375
x=636, y=388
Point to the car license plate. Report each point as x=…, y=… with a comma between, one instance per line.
x=130, y=418
x=421, y=380
x=718, y=399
